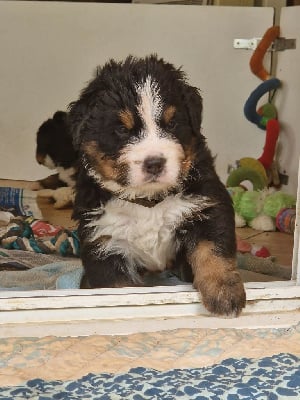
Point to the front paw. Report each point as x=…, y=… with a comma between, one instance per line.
x=223, y=295
x=218, y=280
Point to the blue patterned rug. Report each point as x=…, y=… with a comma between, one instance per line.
x=269, y=378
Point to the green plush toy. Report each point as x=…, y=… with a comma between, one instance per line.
x=258, y=209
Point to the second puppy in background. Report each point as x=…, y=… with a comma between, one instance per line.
x=54, y=150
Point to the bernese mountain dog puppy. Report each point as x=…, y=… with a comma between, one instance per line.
x=54, y=150
x=147, y=194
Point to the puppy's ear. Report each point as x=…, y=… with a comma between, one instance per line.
x=80, y=111
x=59, y=116
x=193, y=102
x=78, y=114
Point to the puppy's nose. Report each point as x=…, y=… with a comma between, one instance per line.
x=154, y=165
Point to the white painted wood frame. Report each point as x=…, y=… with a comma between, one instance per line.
x=131, y=310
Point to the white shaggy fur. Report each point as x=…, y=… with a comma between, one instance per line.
x=150, y=105
x=145, y=236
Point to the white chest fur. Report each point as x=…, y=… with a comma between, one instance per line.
x=145, y=236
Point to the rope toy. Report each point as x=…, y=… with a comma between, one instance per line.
x=266, y=112
x=272, y=134
x=256, y=61
x=265, y=117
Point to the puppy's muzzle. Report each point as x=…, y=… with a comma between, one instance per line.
x=154, y=165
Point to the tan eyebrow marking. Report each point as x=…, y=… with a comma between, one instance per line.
x=127, y=119
x=168, y=114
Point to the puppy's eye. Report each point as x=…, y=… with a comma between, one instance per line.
x=171, y=125
x=122, y=131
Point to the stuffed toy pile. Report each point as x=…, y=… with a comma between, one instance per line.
x=260, y=209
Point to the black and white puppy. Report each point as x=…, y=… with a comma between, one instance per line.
x=54, y=150
x=147, y=194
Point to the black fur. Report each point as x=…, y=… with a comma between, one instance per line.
x=53, y=139
x=94, y=118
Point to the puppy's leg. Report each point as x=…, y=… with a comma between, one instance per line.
x=211, y=253
x=218, y=280
x=107, y=270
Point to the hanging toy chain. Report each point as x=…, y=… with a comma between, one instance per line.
x=264, y=117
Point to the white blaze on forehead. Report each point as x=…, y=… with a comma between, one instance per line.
x=152, y=142
x=151, y=105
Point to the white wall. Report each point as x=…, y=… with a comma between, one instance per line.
x=49, y=50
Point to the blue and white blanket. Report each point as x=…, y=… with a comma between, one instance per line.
x=268, y=378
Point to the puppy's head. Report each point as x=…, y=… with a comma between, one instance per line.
x=54, y=147
x=136, y=125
